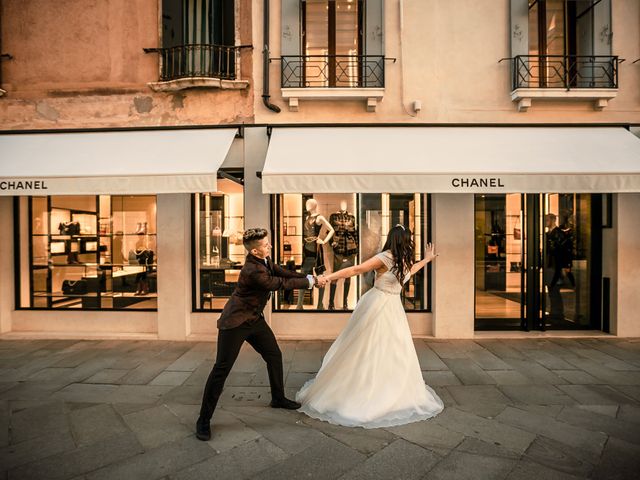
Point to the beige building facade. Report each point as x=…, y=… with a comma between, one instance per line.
x=367, y=107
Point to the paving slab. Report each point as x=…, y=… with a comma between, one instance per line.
x=193, y=358
x=228, y=431
x=4, y=422
x=440, y=378
x=429, y=434
x=108, y=375
x=28, y=451
x=478, y=394
x=629, y=413
x=93, y=424
x=537, y=395
x=137, y=393
x=608, y=410
x=487, y=360
x=536, y=373
x=632, y=391
x=559, y=457
x=620, y=461
x=508, y=377
x=461, y=465
x=84, y=392
x=469, y=372
x=428, y=359
x=577, y=377
x=401, y=459
x=326, y=459
x=239, y=463
x=158, y=462
x=50, y=418
x=79, y=461
x=170, y=378
x=512, y=438
x=479, y=447
x=600, y=423
x=364, y=441
x=591, y=443
x=448, y=350
x=604, y=374
x=527, y=470
x=156, y=426
x=596, y=394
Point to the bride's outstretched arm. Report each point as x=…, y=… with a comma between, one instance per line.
x=372, y=264
x=429, y=255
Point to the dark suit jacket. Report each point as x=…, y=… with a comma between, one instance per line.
x=255, y=284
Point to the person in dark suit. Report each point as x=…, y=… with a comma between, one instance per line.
x=242, y=319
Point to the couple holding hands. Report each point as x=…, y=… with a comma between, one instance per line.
x=370, y=376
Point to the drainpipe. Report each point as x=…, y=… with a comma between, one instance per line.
x=265, y=60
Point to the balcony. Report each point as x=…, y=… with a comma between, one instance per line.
x=198, y=66
x=575, y=77
x=333, y=77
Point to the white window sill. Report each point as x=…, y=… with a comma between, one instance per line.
x=198, y=82
x=371, y=95
x=599, y=96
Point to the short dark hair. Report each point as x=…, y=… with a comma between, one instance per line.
x=251, y=237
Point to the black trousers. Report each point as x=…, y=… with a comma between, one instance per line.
x=261, y=338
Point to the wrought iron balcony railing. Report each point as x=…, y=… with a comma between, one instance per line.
x=208, y=61
x=565, y=71
x=333, y=71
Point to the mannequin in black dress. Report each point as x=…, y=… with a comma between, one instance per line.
x=312, y=253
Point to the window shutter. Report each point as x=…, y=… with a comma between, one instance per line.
x=602, y=32
x=519, y=33
x=172, y=12
x=374, y=27
x=290, y=41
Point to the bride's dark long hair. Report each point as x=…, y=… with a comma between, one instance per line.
x=400, y=243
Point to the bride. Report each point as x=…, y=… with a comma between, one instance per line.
x=370, y=377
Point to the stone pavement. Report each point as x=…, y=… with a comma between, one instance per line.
x=515, y=409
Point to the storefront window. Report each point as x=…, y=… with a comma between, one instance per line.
x=89, y=252
x=218, y=251
x=318, y=233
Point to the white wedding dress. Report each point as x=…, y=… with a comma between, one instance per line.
x=371, y=377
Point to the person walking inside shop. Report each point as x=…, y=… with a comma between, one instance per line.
x=242, y=319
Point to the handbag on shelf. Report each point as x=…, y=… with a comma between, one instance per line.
x=492, y=249
x=69, y=228
x=286, y=246
x=74, y=287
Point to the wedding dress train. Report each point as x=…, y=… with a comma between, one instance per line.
x=371, y=377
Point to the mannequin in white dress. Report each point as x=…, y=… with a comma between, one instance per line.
x=371, y=377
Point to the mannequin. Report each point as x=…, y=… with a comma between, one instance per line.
x=144, y=256
x=312, y=253
x=345, y=248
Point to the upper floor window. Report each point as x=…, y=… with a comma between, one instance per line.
x=561, y=49
x=198, y=39
x=332, y=43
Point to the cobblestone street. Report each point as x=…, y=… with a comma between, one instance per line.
x=515, y=409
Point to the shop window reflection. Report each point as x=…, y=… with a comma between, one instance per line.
x=355, y=226
x=89, y=252
x=219, y=253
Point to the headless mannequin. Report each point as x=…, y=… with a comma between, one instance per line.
x=344, y=225
x=311, y=228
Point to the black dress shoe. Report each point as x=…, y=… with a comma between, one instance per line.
x=285, y=403
x=203, y=431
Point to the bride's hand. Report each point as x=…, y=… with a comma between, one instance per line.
x=430, y=252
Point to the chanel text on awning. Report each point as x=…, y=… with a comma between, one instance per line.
x=23, y=185
x=477, y=182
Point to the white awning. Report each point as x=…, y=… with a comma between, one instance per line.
x=121, y=162
x=452, y=160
